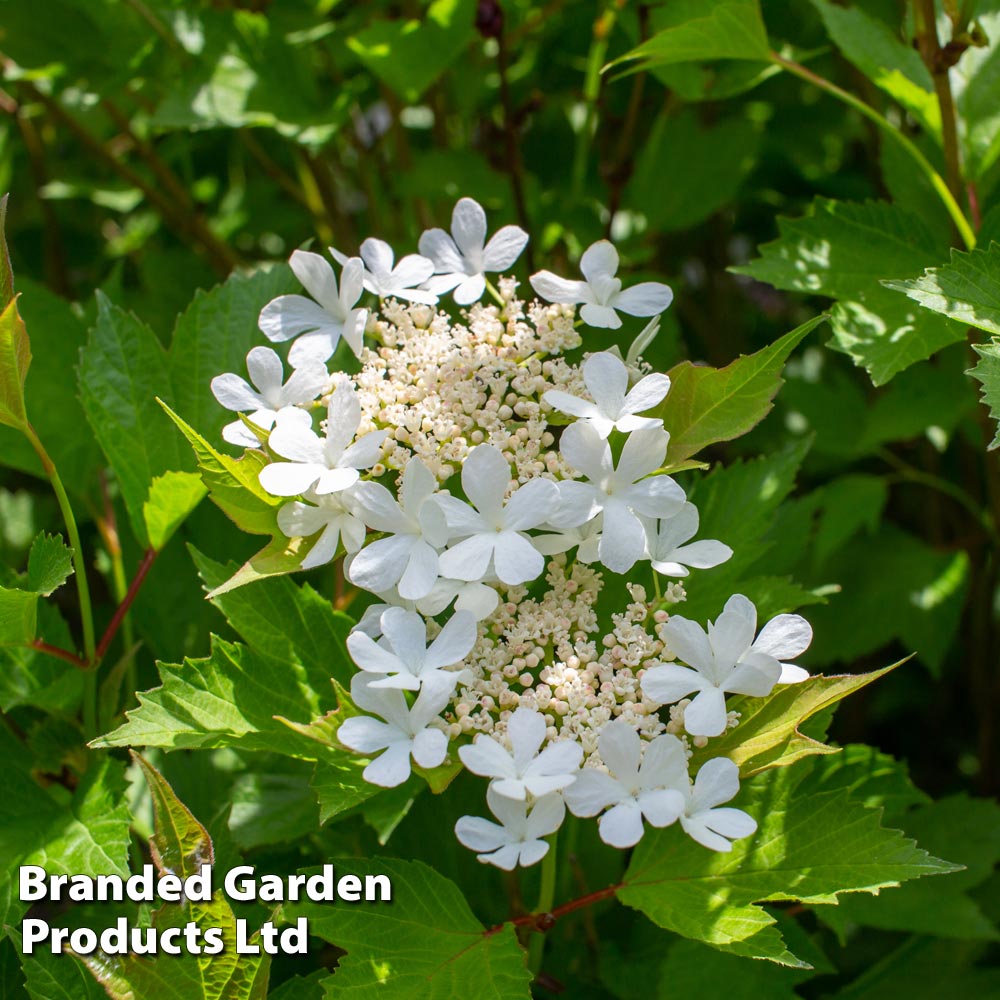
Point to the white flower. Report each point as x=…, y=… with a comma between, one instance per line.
x=667, y=551
x=462, y=258
x=718, y=781
x=524, y=771
x=402, y=655
x=622, y=493
x=330, y=513
x=726, y=659
x=614, y=406
x=469, y=595
x=406, y=732
x=634, y=790
x=601, y=294
x=323, y=324
x=586, y=537
x=266, y=373
x=518, y=841
x=326, y=464
x=408, y=558
x=385, y=279
x=493, y=533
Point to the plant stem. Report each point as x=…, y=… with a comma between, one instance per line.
x=937, y=181
x=79, y=564
x=591, y=91
x=929, y=45
x=149, y=557
x=546, y=894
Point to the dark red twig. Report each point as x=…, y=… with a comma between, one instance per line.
x=544, y=922
x=109, y=633
x=62, y=654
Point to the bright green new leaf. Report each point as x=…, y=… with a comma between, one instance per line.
x=408, y=56
x=50, y=563
x=18, y=616
x=768, y=734
x=15, y=359
x=172, y=497
x=121, y=371
x=844, y=250
x=704, y=30
x=426, y=942
x=966, y=289
x=228, y=699
x=180, y=844
x=987, y=374
x=884, y=58
x=808, y=847
x=708, y=405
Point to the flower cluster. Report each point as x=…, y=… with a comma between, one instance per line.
x=483, y=486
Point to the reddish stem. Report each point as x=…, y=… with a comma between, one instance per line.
x=62, y=654
x=544, y=922
x=109, y=633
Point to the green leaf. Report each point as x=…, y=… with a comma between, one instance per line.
x=6, y=271
x=180, y=844
x=121, y=371
x=227, y=699
x=975, y=100
x=53, y=977
x=675, y=192
x=810, y=846
x=708, y=405
x=18, y=616
x=884, y=58
x=843, y=250
x=425, y=942
x=172, y=497
x=50, y=563
x=987, y=374
x=272, y=804
x=15, y=359
x=703, y=30
x=286, y=622
x=768, y=733
x=966, y=289
x=339, y=786
x=31, y=677
x=409, y=55
x=967, y=831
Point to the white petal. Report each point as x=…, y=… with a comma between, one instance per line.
x=468, y=226
x=552, y=288
x=453, y=643
x=515, y=559
x=315, y=347
x=532, y=851
x=480, y=835
x=731, y=823
x=599, y=260
x=325, y=547
x=377, y=256
x=607, y=381
x=506, y=858
x=560, y=758
x=379, y=565
x=546, y=817
x=485, y=477
x=601, y=317
x=718, y=781
x=380, y=510
x=366, y=735
x=530, y=505
x=372, y=656
x=755, y=676
x=266, y=370
x=318, y=279
x=647, y=393
x=351, y=284
x=688, y=642
x=645, y=299
x=696, y=830
x=468, y=560
x=620, y=749
x=621, y=826
x=593, y=791
x=791, y=674
x=643, y=453
x=335, y=480
x=703, y=554
x=574, y=406
x=504, y=247
x=485, y=757
x=578, y=504
x=440, y=248
x=623, y=539
x=470, y=290
x=304, y=384
x=234, y=393
x=526, y=731
x=421, y=572
x=479, y=599
x=430, y=747
x=664, y=764
x=289, y=315
x=239, y=434
x=289, y=479
x=730, y=636
x=706, y=715
x=461, y=518
x=390, y=769
x=661, y=806
x=669, y=682
x=412, y=270
x=784, y=637
x=586, y=451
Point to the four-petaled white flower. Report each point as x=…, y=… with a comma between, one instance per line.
x=667, y=551
x=517, y=840
x=523, y=771
x=601, y=294
x=622, y=494
x=384, y=278
x=321, y=323
x=615, y=406
x=417, y=529
x=330, y=513
x=469, y=595
x=268, y=396
x=718, y=781
x=493, y=533
x=586, y=537
x=643, y=783
x=402, y=655
x=462, y=258
x=325, y=464
x=726, y=659
x=405, y=733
